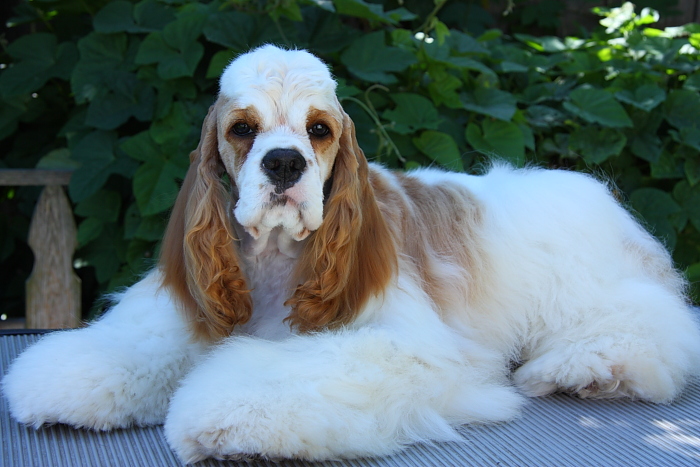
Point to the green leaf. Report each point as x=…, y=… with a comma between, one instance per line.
x=37, y=58
x=692, y=273
x=490, y=35
x=100, y=56
x=597, y=106
x=152, y=15
x=692, y=170
x=139, y=254
x=141, y=147
x=370, y=59
x=123, y=16
x=155, y=182
x=95, y=152
x=528, y=136
x=180, y=34
x=171, y=62
x=668, y=166
x=510, y=67
x=11, y=109
x=58, y=159
x=596, y=145
x=218, y=63
x=232, y=29
x=492, y=102
x=132, y=219
x=413, y=112
x=325, y=34
x=504, y=140
x=400, y=14
x=689, y=198
x=692, y=83
x=644, y=140
x=544, y=117
x=690, y=136
x=175, y=49
x=441, y=148
x=645, y=97
x=155, y=186
x=543, y=44
x=173, y=127
x=469, y=64
x=149, y=228
x=682, y=108
x=105, y=253
x=104, y=205
x=38, y=47
x=124, y=97
x=658, y=208
x=288, y=9
x=515, y=59
x=465, y=44
x=647, y=146
x=443, y=86
x=362, y=9
x=116, y=16
x=89, y=229
x=581, y=63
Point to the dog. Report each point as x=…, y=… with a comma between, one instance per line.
x=308, y=304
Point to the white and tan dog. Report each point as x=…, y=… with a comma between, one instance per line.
x=310, y=305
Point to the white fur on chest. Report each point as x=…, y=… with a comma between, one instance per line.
x=270, y=262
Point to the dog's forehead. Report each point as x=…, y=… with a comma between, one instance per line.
x=270, y=76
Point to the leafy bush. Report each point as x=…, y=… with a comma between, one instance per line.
x=119, y=94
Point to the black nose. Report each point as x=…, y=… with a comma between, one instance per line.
x=283, y=167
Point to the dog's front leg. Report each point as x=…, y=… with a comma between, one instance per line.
x=120, y=370
x=365, y=391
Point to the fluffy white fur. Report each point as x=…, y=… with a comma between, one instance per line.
x=560, y=278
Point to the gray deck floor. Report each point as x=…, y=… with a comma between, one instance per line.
x=552, y=431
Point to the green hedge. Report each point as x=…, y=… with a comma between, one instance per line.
x=118, y=90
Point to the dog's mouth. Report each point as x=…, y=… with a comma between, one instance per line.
x=277, y=199
x=287, y=211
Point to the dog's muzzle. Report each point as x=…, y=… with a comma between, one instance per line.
x=283, y=167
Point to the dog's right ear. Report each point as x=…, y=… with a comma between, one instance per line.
x=199, y=259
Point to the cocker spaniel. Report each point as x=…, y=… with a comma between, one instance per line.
x=310, y=305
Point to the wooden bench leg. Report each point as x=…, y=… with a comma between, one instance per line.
x=53, y=289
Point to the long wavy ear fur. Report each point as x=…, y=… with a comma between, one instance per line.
x=352, y=256
x=198, y=258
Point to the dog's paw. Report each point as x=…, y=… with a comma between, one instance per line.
x=263, y=425
x=84, y=379
x=61, y=379
x=597, y=375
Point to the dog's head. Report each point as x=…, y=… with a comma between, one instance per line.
x=279, y=125
x=289, y=150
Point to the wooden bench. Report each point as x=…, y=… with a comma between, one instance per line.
x=53, y=289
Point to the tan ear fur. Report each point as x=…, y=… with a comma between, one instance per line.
x=352, y=256
x=198, y=257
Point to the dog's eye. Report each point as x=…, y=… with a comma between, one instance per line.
x=242, y=129
x=319, y=129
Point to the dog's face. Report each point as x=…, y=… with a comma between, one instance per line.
x=294, y=164
x=278, y=129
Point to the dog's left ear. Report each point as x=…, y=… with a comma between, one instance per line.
x=199, y=259
x=352, y=256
